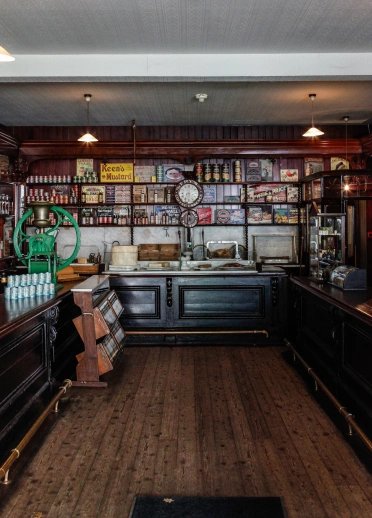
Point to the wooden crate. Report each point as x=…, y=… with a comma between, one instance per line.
x=169, y=252
x=148, y=252
x=159, y=252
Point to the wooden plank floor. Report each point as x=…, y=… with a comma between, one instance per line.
x=214, y=421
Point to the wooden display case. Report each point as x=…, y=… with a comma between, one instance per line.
x=99, y=319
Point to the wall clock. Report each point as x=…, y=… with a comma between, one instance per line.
x=189, y=218
x=188, y=193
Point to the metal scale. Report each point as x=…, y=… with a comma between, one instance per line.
x=40, y=255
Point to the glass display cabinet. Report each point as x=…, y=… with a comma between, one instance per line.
x=326, y=243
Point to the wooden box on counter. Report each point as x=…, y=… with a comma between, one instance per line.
x=159, y=252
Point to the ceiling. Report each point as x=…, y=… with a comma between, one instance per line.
x=258, y=61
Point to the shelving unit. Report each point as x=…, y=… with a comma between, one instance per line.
x=99, y=319
x=133, y=213
x=327, y=242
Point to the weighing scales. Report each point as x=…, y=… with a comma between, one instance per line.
x=41, y=255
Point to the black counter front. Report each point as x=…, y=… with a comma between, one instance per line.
x=333, y=332
x=37, y=342
x=189, y=307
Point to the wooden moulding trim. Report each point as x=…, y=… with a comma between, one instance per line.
x=196, y=149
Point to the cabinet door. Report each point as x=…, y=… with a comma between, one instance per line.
x=320, y=334
x=356, y=365
x=24, y=369
x=232, y=303
x=144, y=301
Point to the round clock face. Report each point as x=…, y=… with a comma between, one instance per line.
x=188, y=193
x=189, y=218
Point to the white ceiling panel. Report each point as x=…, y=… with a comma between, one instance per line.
x=146, y=60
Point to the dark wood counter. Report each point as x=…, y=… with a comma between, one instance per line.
x=189, y=307
x=37, y=343
x=332, y=330
x=357, y=303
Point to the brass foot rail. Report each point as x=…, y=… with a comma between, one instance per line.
x=350, y=419
x=201, y=332
x=16, y=452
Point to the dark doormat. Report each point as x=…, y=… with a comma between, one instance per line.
x=203, y=507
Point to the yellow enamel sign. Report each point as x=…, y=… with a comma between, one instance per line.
x=116, y=173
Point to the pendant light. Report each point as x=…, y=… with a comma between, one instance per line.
x=5, y=56
x=87, y=137
x=312, y=132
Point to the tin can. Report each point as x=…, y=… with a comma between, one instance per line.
x=225, y=173
x=21, y=292
x=39, y=289
x=237, y=171
x=17, y=280
x=216, y=175
x=199, y=172
x=52, y=288
x=10, y=281
x=7, y=292
x=159, y=173
x=207, y=173
x=42, y=278
x=35, y=279
x=32, y=291
x=26, y=292
x=46, y=290
x=23, y=281
x=14, y=293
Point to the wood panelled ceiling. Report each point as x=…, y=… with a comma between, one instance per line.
x=257, y=60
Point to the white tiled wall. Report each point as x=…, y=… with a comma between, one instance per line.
x=275, y=240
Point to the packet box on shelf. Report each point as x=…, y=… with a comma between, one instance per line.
x=144, y=173
x=156, y=194
x=281, y=216
x=139, y=194
x=271, y=193
x=260, y=214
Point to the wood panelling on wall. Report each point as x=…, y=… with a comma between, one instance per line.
x=181, y=132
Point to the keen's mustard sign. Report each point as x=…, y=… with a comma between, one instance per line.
x=116, y=173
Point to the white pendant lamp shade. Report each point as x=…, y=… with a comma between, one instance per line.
x=5, y=56
x=87, y=137
x=312, y=132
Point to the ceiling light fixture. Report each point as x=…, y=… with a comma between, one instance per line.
x=312, y=132
x=87, y=137
x=201, y=97
x=5, y=56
